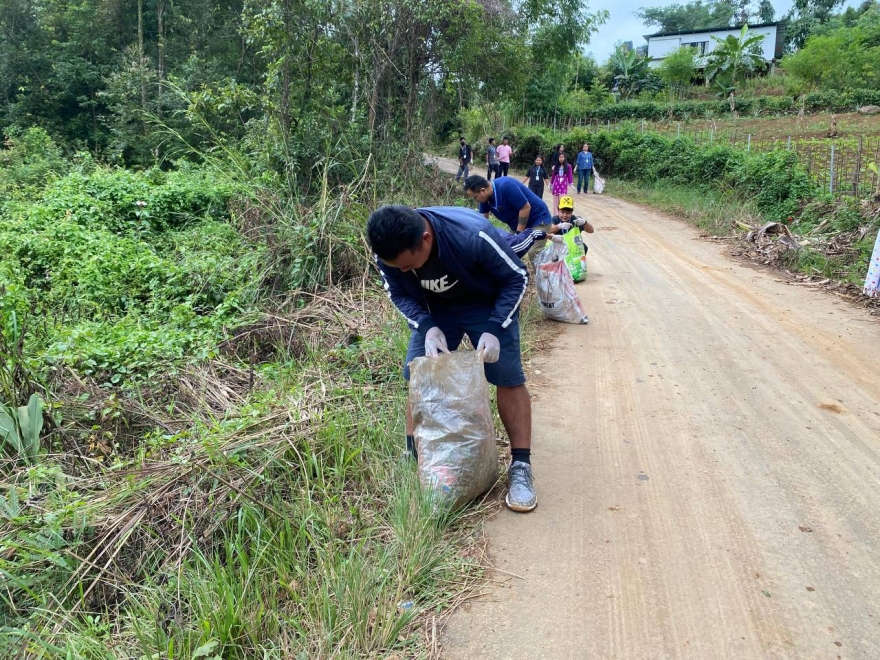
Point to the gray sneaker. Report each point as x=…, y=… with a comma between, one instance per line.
x=520, y=492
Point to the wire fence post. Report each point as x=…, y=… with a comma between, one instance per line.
x=678, y=131
x=789, y=143
x=857, y=175
x=831, y=172
x=749, y=145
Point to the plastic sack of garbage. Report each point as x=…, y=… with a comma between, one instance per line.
x=453, y=428
x=556, y=292
x=576, y=260
x=598, y=184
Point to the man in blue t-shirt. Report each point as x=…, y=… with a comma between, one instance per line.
x=584, y=167
x=509, y=201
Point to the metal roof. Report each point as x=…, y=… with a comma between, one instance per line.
x=722, y=28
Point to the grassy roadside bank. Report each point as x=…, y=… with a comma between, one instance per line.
x=714, y=212
x=839, y=253
x=218, y=472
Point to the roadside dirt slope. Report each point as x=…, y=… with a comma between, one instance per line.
x=707, y=458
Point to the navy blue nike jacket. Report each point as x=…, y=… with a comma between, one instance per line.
x=471, y=249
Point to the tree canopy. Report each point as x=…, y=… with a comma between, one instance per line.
x=706, y=14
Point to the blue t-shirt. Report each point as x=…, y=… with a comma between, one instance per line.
x=509, y=196
x=585, y=160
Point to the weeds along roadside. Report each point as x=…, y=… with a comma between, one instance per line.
x=219, y=475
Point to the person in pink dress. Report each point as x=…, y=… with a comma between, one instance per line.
x=560, y=180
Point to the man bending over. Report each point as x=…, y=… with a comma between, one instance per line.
x=449, y=273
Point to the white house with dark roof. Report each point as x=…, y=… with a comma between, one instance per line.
x=663, y=43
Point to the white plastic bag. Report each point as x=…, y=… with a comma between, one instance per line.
x=453, y=428
x=556, y=293
x=598, y=184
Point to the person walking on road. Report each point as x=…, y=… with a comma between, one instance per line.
x=509, y=201
x=584, y=167
x=492, y=163
x=505, y=151
x=465, y=157
x=560, y=180
x=559, y=148
x=449, y=273
x=536, y=176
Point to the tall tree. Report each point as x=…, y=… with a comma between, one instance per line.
x=805, y=17
x=705, y=14
x=694, y=15
x=557, y=31
x=765, y=12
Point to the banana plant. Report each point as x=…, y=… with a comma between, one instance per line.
x=734, y=57
x=20, y=429
x=632, y=68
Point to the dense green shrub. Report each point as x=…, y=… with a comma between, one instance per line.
x=774, y=181
x=840, y=57
x=127, y=269
x=29, y=160
x=127, y=202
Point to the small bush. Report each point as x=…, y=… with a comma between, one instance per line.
x=30, y=160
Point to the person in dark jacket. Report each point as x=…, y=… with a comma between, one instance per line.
x=465, y=157
x=449, y=273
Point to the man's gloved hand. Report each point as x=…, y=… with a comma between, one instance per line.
x=557, y=238
x=564, y=226
x=489, y=347
x=435, y=342
x=580, y=222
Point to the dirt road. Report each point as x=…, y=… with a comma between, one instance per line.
x=707, y=459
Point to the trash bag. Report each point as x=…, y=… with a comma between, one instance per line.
x=576, y=260
x=452, y=426
x=598, y=184
x=556, y=293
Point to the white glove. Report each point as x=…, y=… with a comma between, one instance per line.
x=564, y=226
x=489, y=347
x=435, y=342
x=557, y=238
x=580, y=222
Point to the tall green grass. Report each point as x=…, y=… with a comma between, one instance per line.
x=222, y=473
x=713, y=211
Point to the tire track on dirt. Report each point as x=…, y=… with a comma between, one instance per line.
x=683, y=440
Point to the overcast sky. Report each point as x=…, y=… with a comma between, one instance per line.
x=622, y=25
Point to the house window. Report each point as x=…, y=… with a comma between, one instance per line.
x=699, y=46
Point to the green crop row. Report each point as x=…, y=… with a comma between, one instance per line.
x=847, y=100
